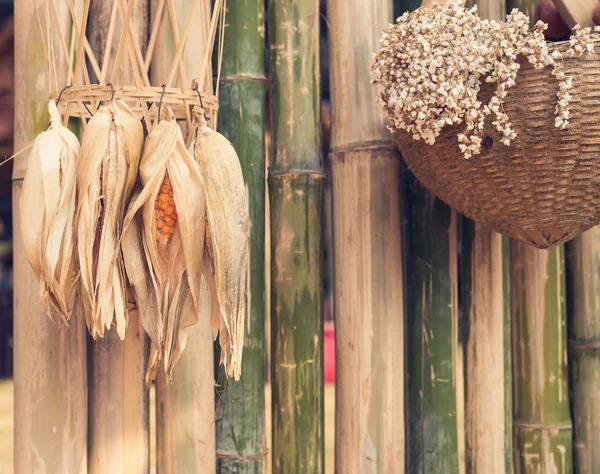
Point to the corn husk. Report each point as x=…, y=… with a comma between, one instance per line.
x=227, y=262
x=173, y=263
x=140, y=275
x=47, y=215
x=107, y=172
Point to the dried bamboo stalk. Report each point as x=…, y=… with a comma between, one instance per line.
x=118, y=400
x=50, y=361
x=185, y=440
x=368, y=300
x=488, y=408
x=488, y=382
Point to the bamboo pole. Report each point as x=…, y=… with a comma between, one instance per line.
x=435, y=406
x=583, y=305
x=435, y=389
x=118, y=412
x=296, y=198
x=542, y=425
x=50, y=361
x=185, y=413
x=367, y=251
x=508, y=388
x=488, y=410
x=488, y=378
x=240, y=425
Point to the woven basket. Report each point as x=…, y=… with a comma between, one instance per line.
x=544, y=188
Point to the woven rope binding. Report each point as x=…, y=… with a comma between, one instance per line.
x=142, y=101
x=543, y=189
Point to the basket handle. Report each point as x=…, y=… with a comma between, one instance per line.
x=576, y=12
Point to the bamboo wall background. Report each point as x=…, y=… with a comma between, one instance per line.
x=458, y=351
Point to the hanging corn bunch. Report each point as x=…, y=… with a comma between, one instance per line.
x=172, y=206
x=110, y=154
x=47, y=229
x=226, y=260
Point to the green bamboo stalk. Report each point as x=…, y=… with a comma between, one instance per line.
x=435, y=362
x=240, y=426
x=118, y=403
x=296, y=198
x=50, y=385
x=542, y=425
x=185, y=411
x=435, y=392
x=367, y=251
x=583, y=318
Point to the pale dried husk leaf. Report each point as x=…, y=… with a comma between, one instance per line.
x=228, y=238
x=107, y=172
x=47, y=226
x=176, y=268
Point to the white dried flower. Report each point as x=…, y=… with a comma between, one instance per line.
x=432, y=63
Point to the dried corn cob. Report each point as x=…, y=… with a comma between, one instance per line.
x=47, y=229
x=227, y=238
x=106, y=175
x=172, y=205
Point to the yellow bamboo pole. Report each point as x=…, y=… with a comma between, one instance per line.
x=50, y=361
x=488, y=415
x=368, y=300
x=118, y=400
x=185, y=409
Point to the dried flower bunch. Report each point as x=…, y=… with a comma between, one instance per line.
x=430, y=69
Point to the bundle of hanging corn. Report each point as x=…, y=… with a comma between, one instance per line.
x=189, y=218
x=106, y=175
x=47, y=228
x=171, y=205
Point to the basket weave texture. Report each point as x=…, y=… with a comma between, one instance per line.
x=544, y=188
